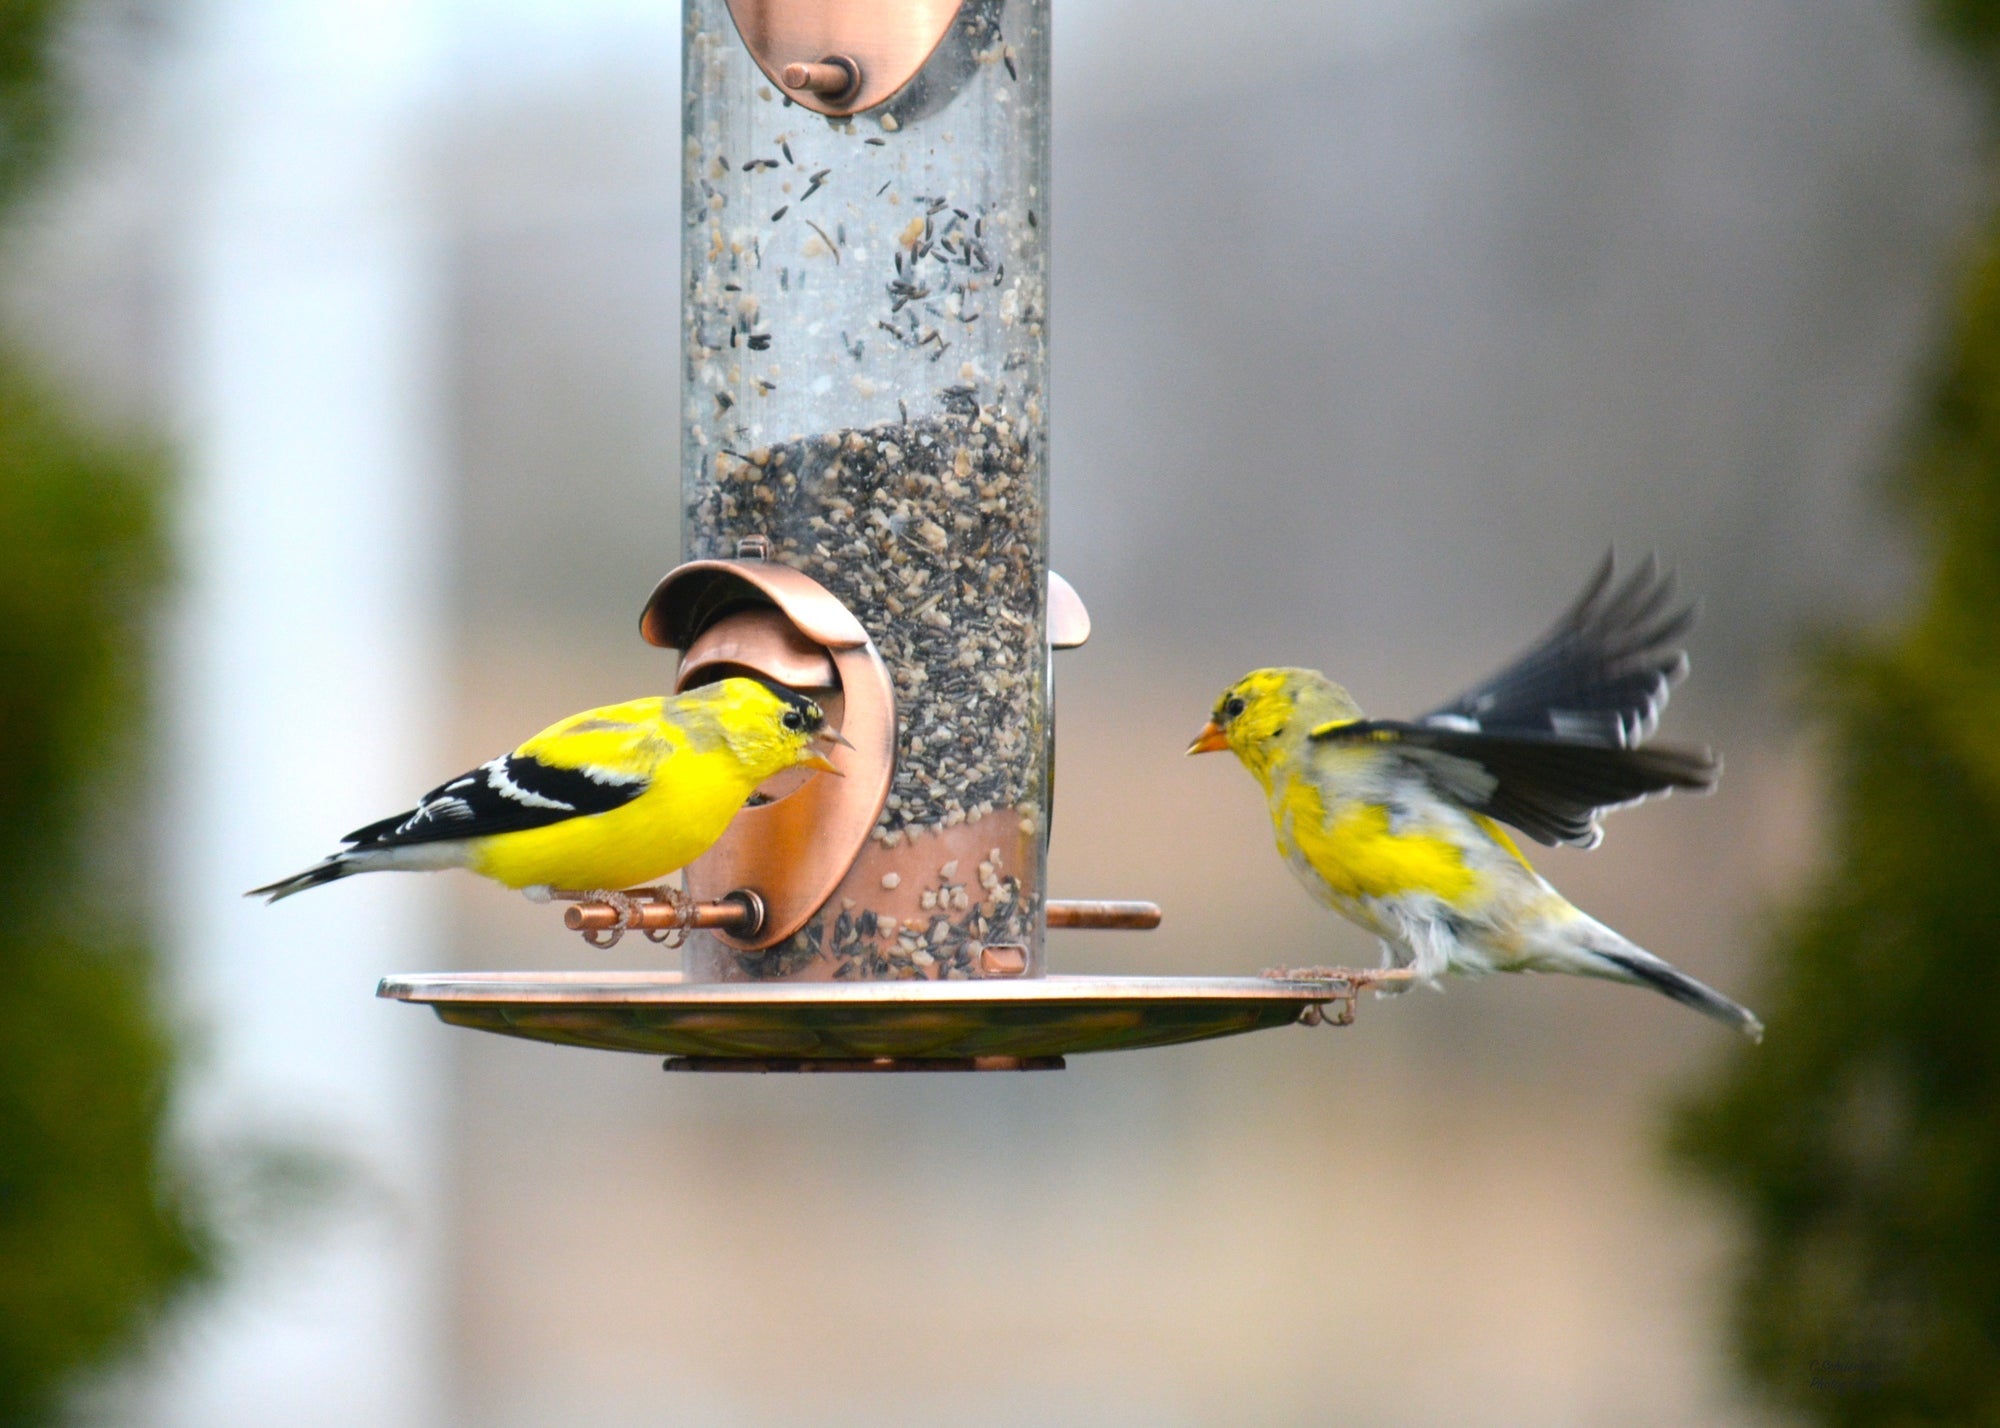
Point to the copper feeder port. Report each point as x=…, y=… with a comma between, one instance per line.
x=766, y=619
x=803, y=851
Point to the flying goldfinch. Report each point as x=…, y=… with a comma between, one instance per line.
x=1397, y=825
x=607, y=799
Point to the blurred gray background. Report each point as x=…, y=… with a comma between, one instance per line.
x=1373, y=330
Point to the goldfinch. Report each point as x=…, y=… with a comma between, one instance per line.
x=1397, y=825
x=607, y=799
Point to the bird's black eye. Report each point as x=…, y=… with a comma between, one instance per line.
x=1233, y=706
x=793, y=719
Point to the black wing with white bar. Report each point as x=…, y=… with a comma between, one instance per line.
x=1601, y=675
x=504, y=795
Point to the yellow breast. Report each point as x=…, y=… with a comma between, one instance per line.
x=1356, y=853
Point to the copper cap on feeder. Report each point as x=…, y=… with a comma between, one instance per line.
x=693, y=596
x=842, y=56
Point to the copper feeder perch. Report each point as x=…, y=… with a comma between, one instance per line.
x=864, y=396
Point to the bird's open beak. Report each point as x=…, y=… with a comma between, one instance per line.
x=814, y=759
x=1210, y=740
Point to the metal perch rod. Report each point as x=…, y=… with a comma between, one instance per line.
x=740, y=913
x=1101, y=915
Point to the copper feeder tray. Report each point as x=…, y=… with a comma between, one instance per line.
x=876, y=1026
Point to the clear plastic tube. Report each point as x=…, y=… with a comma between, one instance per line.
x=864, y=388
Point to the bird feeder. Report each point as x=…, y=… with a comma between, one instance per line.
x=864, y=408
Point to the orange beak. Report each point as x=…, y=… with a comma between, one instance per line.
x=1210, y=740
x=814, y=759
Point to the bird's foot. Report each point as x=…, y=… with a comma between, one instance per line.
x=619, y=903
x=631, y=913
x=1336, y=1010
x=682, y=907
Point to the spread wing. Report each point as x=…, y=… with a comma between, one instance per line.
x=1551, y=788
x=1602, y=674
x=1552, y=741
x=503, y=795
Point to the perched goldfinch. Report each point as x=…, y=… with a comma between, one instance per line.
x=1397, y=825
x=607, y=799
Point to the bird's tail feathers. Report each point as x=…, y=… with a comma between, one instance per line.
x=408, y=858
x=327, y=870
x=1636, y=965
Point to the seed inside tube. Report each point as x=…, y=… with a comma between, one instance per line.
x=923, y=515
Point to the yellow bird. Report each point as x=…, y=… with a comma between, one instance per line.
x=607, y=799
x=1397, y=825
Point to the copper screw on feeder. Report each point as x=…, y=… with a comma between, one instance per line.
x=834, y=77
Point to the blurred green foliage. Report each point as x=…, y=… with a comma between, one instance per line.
x=1861, y=1142
x=94, y=1235
x=91, y=1234
x=30, y=103
x=1972, y=27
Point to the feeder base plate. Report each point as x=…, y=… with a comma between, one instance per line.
x=823, y=1064
x=1028, y=1024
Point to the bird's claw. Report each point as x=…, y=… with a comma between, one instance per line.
x=617, y=902
x=1338, y=1008
x=632, y=918
x=683, y=907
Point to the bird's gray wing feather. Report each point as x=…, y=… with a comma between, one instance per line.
x=1550, y=788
